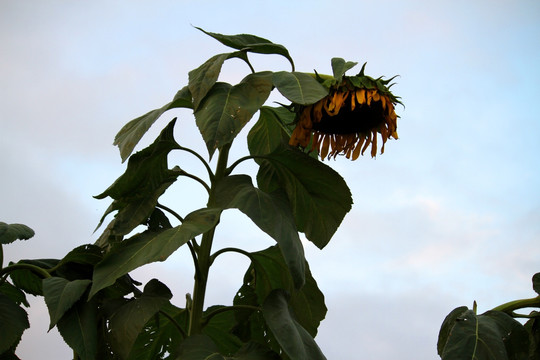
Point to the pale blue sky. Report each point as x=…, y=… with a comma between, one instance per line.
x=449, y=214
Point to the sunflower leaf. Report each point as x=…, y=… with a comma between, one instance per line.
x=270, y=131
x=136, y=192
x=493, y=335
x=149, y=247
x=250, y=43
x=226, y=109
x=13, y=322
x=298, y=87
x=271, y=213
x=203, y=78
x=79, y=328
x=130, y=135
x=270, y=272
x=295, y=341
x=128, y=320
x=12, y=232
x=160, y=336
x=319, y=196
x=60, y=295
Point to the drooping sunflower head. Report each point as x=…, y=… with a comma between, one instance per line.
x=348, y=120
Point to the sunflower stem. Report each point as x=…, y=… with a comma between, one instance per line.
x=196, y=323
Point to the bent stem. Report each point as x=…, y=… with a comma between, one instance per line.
x=511, y=306
x=203, y=252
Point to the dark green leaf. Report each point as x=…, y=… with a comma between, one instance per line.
x=271, y=213
x=14, y=293
x=150, y=247
x=128, y=321
x=339, y=67
x=78, y=328
x=29, y=281
x=9, y=355
x=85, y=254
x=533, y=328
x=255, y=351
x=226, y=109
x=295, y=341
x=251, y=43
x=219, y=329
x=12, y=232
x=536, y=283
x=447, y=326
x=60, y=295
x=491, y=336
x=130, y=135
x=319, y=195
x=147, y=176
x=270, y=131
x=199, y=347
x=160, y=337
x=13, y=322
x=300, y=88
x=202, y=79
x=269, y=273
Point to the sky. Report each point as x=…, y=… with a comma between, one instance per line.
x=450, y=214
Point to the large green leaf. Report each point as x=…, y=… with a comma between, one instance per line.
x=60, y=295
x=251, y=43
x=203, y=78
x=271, y=213
x=319, y=196
x=491, y=336
x=12, y=232
x=295, y=341
x=150, y=246
x=226, y=109
x=219, y=329
x=300, y=88
x=270, y=131
x=128, y=320
x=147, y=176
x=13, y=322
x=85, y=254
x=199, y=347
x=255, y=351
x=160, y=336
x=130, y=135
x=14, y=293
x=268, y=272
x=78, y=328
x=533, y=328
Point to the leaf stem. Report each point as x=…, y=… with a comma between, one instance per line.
x=210, y=173
x=171, y=211
x=21, y=266
x=237, y=162
x=509, y=307
x=196, y=178
x=176, y=325
x=229, y=308
x=229, y=249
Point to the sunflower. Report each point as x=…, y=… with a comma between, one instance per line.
x=348, y=120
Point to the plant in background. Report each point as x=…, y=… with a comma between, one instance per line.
x=103, y=313
x=495, y=334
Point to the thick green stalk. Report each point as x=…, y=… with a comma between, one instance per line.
x=511, y=306
x=204, y=253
